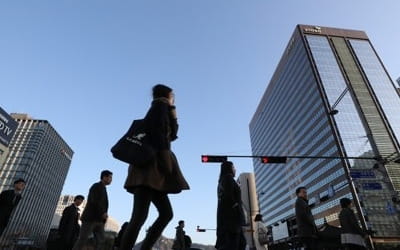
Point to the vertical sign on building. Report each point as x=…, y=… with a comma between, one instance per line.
x=8, y=126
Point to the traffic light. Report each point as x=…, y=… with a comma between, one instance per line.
x=198, y=229
x=273, y=159
x=213, y=158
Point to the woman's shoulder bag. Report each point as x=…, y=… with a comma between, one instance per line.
x=133, y=147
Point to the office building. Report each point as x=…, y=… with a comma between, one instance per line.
x=40, y=156
x=7, y=130
x=3, y=154
x=112, y=225
x=330, y=97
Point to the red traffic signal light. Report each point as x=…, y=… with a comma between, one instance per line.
x=213, y=158
x=273, y=159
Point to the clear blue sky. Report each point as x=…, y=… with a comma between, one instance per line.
x=88, y=68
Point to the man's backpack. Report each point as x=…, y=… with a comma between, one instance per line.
x=188, y=241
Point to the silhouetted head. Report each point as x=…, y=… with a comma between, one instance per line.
x=258, y=217
x=79, y=197
x=301, y=192
x=19, y=184
x=106, y=177
x=163, y=91
x=227, y=168
x=78, y=200
x=19, y=181
x=345, y=202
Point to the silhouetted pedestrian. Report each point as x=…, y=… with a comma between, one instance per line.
x=69, y=227
x=179, y=242
x=230, y=217
x=261, y=232
x=117, y=240
x=95, y=214
x=153, y=182
x=306, y=228
x=9, y=199
x=352, y=236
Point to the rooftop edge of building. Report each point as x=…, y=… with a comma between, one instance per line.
x=308, y=29
x=21, y=116
x=27, y=117
x=331, y=31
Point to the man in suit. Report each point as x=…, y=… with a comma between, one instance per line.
x=69, y=226
x=306, y=228
x=95, y=214
x=9, y=199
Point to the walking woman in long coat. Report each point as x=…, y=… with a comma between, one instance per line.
x=353, y=236
x=230, y=217
x=153, y=182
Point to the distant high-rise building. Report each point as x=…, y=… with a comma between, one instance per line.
x=112, y=225
x=331, y=97
x=39, y=155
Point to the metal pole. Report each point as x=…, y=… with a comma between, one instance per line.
x=306, y=157
x=250, y=215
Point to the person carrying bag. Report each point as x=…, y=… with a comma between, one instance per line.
x=134, y=147
x=262, y=232
x=353, y=236
x=152, y=181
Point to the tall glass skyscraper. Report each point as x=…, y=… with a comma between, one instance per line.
x=40, y=156
x=330, y=96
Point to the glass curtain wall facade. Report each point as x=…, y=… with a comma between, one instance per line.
x=329, y=96
x=41, y=157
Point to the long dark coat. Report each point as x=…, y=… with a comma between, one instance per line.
x=305, y=220
x=179, y=242
x=97, y=203
x=230, y=217
x=229, y=211
x=349, y=223
x=8, y=201
x=69, y=226
x=163, y=174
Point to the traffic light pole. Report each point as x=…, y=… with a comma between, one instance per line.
x=198, y=229
x=301, y=157
x=250, y=214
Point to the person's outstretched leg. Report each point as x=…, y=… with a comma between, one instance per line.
x=161, y=201
x=86, y=230
x=141, y=204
